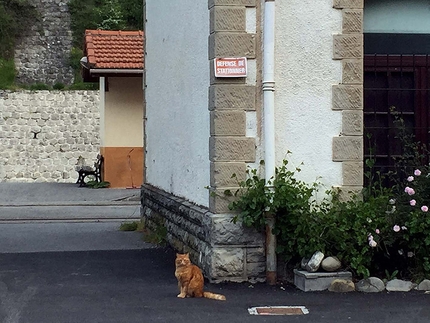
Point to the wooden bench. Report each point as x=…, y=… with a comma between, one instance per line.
x=85, y=171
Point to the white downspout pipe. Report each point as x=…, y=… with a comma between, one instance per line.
x=269, y=129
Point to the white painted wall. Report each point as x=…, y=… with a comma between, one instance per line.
x=397, y=16
x=305, y=74
x=177, y=78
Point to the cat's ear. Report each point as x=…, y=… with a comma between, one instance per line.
x=187, y=254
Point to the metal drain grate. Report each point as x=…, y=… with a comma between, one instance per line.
x=278, y=310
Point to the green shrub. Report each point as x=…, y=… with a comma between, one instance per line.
x=376, y=232
x=58, y=86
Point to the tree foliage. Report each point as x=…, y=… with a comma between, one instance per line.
x=104, y=14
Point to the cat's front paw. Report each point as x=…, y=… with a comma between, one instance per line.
x=181, y=295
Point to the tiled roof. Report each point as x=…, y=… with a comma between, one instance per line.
x=107, y=49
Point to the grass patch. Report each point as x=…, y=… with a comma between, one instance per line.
x=95, y=184
x=7, y=73
x=155, y=236
x=129, y=226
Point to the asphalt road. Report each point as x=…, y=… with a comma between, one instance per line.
x=83, y=270
x=139, y=286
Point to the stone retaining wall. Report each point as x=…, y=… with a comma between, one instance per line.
x=43, y=133
x=42, y=54
x=225, y=251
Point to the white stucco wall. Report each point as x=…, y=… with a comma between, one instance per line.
x=305, y=74
x=177, y=78
x=397, y=16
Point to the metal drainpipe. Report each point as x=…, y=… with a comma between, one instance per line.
x=269, y=129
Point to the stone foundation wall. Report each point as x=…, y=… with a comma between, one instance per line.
x=225, y=251
x=43, y=133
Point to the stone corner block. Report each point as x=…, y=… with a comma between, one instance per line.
x=348, y=4
x=238, y=97
x=352, y=122
x=227, y=264
x=246, y=3
x=232, y=149
x=348, y=46
x=225, y=232
x=221, y=174
x=227, y=18
x=352, y=173
x=352, y=71
x=348, y=148
x=218, y=201
x=352, y=22
x=347, y=97
x=232, y=44
x=228, y=123
x=347, y=193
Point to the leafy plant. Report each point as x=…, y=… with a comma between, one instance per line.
x=294, y=204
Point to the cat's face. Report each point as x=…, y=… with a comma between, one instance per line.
x=182, y=260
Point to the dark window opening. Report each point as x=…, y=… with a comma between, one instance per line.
x=396, y=87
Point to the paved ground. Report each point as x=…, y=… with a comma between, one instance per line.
x=87, y=271
x=23, y=202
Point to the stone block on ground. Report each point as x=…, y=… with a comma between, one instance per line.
x=397, y=285
x=319, y=281
x=304, y=263
x=314, y=263
x=331, y=264
x=341, y=286
x=370, y=285
x=424, y=285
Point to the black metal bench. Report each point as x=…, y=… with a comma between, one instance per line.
x=85, y=171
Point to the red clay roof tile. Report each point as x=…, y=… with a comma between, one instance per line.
x=108, y=49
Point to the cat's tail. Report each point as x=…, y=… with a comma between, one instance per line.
x=210, y=295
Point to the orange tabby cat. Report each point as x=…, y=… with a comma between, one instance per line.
x=190, y=279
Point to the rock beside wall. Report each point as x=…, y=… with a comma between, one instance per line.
x=43, y=133
x=42, y=54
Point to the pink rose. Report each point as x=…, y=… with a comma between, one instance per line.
x=396, y=228
x=377, y=231
x=424, y=208
x=417, y=172
x=412, y=202
x=409, y=190
x=410, y=178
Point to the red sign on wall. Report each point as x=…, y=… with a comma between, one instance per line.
x=230, y=67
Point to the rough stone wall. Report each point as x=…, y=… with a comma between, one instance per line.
x=43, y=133
x=41, y=56
x=225, y=251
